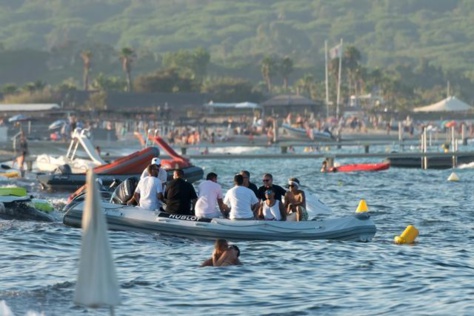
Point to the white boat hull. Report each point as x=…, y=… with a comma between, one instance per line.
x=49, y=163
x=357, y=227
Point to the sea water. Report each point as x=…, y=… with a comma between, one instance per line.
x=161, y=274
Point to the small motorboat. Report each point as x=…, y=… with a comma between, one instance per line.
x=358, y=167
x=48, y=163
x=311, y=133
x=119, y=169
x=356, y=227
x=15, y=203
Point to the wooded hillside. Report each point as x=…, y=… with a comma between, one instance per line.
x=387, y=32
x=404, y=50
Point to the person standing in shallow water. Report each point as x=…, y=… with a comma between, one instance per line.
x=23, y=149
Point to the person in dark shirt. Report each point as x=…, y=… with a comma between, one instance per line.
x=180, y=195
x=246, y=175
x=268, y=184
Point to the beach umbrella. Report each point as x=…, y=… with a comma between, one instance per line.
x=96, y=281
x=18, y=118
x=57, y=124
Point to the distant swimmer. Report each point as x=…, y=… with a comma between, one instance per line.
x=325, y=167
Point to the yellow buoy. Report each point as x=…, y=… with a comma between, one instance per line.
x=453, y=177
x=408, y=236
x=362, y=207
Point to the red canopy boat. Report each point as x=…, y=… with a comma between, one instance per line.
x=361, y=167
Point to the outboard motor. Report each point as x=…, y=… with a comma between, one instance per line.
x=124, y=191
x=63, y=169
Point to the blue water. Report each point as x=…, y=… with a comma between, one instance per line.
x=161, y=275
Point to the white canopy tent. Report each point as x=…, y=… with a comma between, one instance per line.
x=28, y=107
x=450, y=104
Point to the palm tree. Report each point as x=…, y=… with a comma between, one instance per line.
x=304, y=84
x=286, y=68
x=86, y=59
x=268, y=69
x=126, y=56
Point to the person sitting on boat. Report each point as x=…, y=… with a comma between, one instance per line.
x=223, y=255
x=268, y=184
x=246, y=175
x=295, y=202
x=149, y=192
x=271, y=209
x=241, y=201
x=162, y=174
x=180, y=195
x=210, y=196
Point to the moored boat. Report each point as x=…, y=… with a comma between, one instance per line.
x=356, y=227
x=358, y=167
x=46, y=162
x=15, y=203
x=120, y=169
x=312, y=134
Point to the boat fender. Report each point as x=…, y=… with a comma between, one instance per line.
x=63, y=169
x=124, y=191
x=408, y=236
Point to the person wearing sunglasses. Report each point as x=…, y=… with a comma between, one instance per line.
x=268, y=184
x=246, y=175
x=295, y=201
x=271, y=209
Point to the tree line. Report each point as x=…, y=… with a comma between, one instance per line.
x=400, y=88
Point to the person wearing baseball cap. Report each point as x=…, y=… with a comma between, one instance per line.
x=162, y=174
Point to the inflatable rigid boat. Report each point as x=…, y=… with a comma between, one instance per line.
x=358, y=167
x=356, y=227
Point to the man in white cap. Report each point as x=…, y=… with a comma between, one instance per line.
x=162, y=174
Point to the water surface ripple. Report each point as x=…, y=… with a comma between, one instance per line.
x=160, y=274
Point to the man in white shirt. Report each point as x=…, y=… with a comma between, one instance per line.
x=149, y=191
x=210, y=195
x=241, y=200
x=162, y=174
